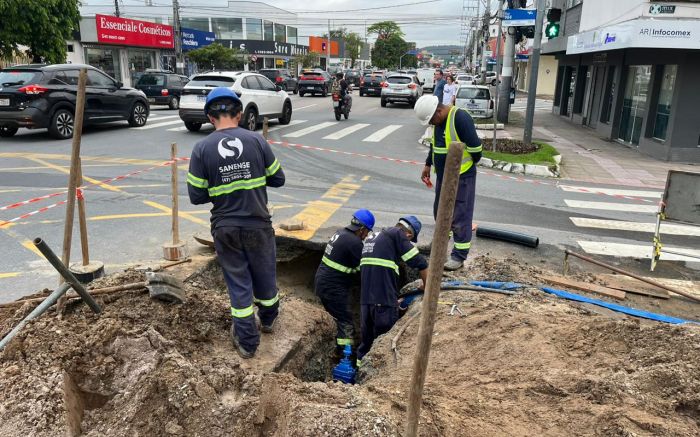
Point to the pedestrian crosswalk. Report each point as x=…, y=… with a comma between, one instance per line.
x=631, y=216
x=541, y=105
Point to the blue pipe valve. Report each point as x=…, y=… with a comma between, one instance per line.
x=345, y=372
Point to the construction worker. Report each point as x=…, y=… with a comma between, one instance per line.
x=379, y=271
x=231, y=168
x=338, y=270
x=452, y=124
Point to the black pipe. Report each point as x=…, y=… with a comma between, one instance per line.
x=511, y=237
x=67, y=275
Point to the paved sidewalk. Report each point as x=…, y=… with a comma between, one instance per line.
x=587, y=157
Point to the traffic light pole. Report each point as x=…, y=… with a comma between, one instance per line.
x=534, y=71
x=499, y=59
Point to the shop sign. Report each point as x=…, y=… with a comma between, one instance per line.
x=265, y=47
x=194, y=39
x=124, y=31
x=656, y=9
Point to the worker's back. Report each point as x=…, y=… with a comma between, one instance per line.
x=379, y=266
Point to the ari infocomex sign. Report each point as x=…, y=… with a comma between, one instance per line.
x=124, y=31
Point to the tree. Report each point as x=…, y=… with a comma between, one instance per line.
x=308, y=60
x=387, y=52
x=42, y=25
x=340, y=32
x=218, y=57
x=385, y=30
x=353, y=45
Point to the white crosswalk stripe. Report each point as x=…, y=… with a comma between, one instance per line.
x=636, y=250
x=611, y=206
x=161, y=117
x=382, y=133
x=177, y=129
x=310, y=129
x=345, y=132
x=612, y=191
x=155, y=125
x=622, y=225
x=282, y=126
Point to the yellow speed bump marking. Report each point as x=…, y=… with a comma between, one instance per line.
x=60, y=157
x=9, y=275
x=67, y=171
x=185, y=215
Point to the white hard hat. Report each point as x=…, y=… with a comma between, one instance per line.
x=425, y=108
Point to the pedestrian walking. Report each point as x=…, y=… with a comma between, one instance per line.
x=339, y=269
x=452, y=124
x=439, y=80
x=449, y=91
x=379, y=268
x=231, y=168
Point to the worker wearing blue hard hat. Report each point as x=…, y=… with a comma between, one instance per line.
x=339, y=270
x=382, y=253
x=232, y=168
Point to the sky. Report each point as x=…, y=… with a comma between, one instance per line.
x=425, y=22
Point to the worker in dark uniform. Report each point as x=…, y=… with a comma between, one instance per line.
x=231, y=168
x=452, y=124
x=379, y=270
x=339, y=268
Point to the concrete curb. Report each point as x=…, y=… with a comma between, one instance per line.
x=499, y=126
x=553, y=171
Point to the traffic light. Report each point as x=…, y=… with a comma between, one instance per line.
x=552, y=30
x=323, y=46
x=553, y=26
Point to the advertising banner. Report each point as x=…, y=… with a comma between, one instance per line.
x=194, y=39
x=124, y=31
x=275, y=48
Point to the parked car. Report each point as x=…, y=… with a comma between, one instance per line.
x=476, y=99
x=466, y=79
x=315, y=82
x=490, y=78
x=426, y=76
x=401, y=88
x=353, y=77
x=162, y=87
x=371, y=84
x=260, y=98
x=44, y=96
x=282, y=77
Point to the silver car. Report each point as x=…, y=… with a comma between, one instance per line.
x=401, y=88
x=476, y=99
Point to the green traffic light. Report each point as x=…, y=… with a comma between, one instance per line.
x=552, y=30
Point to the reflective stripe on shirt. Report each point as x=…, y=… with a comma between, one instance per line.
x=381, y=263
x=197, y=182
x=410, y=254
x=339, y=267
x=245, y=184
x=272, y=169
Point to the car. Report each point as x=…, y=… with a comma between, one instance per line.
x=260, y=97
x=466, y=79
x=41, y=96
x=371, y=84
x=426, y=76
x=401, y=88
x=490, y=78
x=315, y=82
x=162, y=87
x=281, y=77
x=353, y=77
x=476, y=99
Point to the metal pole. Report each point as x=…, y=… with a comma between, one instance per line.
x=534, y=72
x=499, y=15
x=506, y=81
x=116, y=8
x=487, y=35
x=328, y=48
x=179, y=61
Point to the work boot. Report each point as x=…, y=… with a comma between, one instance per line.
x=237, y=345
x=269, y=329
x=453, y=264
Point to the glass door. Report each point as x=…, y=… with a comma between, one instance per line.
x=634, y=103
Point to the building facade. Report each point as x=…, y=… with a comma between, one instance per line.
x=629, y=69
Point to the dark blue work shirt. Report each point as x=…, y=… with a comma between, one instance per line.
x=341, y=260
x=467, y=134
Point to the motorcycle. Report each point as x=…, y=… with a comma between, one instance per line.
x=345, y=109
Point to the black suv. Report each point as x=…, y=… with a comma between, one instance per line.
x=43, y=96
x=281, y=77
x=162, y=87
x=372, y=83
x=353, y=77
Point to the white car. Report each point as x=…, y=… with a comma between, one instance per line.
x=466, y=79
x=476, y=99
x=402, y=88
x=260, y=97
x=426, y=77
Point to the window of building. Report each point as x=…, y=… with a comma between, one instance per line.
x=195, y=23
x=292, y=35
x=254, y=29
x=609, y=96
x=663, y=106
x=634, y=103
x=106, y=60
x=269, y=32
x=280, y=33
x=139, y=61
x=227, y=28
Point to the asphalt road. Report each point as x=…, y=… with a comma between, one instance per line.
x=129, y=219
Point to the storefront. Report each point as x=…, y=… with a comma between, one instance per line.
x=266, y=54
x=636, y=83
x=124, y=48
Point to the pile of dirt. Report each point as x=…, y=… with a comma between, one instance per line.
x=528, y=364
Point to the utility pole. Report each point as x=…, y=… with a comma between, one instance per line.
x=116, y=7
x=534, y=71
x=506, y=76
x=328, y=48
x=499, y=17
x=179, y=60
x=486, y=35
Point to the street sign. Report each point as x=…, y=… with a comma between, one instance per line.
x=254, y=58
x=519, y=17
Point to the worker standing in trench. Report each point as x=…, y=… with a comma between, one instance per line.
x=452, y=124
x=379, y=269
x=339, y=269
x=231, y=168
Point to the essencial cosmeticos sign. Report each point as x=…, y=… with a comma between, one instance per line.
x=124, y=31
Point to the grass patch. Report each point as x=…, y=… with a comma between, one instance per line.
x=544, y=155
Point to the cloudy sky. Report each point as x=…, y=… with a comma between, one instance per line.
x=426, y=22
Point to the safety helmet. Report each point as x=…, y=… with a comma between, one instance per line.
x=219, y=93
x=361, y=218
x=425, y=108
x=412, y=222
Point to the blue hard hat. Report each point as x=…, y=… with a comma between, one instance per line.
x=362, y=217
x=219, y=93
x=412, y=222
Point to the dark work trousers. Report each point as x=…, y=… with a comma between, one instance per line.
x=375, y=321
x=463, y=214
x=247, y=257
x=336, y=300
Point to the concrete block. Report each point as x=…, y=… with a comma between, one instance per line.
x=507, y=167
x=538, y=170
x=517, y=168
x=486, y=162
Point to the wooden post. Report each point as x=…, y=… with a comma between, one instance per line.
x=82, y=221
x=174, y=251
x=438, y=256
x=266, y=127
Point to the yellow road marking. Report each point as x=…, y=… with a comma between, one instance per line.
x=67, y=171
x=365, y=178
x=88, y=158
x=182, y=214
x=9, y=275
x=29, y=245
x=143, y=214
x=64, y=166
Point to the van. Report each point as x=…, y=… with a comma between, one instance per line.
x=426, y=78
x=476, y=99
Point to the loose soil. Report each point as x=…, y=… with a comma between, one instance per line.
x=529, y=364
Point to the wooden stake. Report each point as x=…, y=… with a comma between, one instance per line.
x=84, y=248
x=438, y=256
x=173, y=169
x=266, y=123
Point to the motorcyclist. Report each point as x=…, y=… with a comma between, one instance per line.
x=340, y=87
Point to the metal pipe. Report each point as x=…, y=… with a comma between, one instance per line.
x=632, y=275
x=67, y=275
x=39, y=310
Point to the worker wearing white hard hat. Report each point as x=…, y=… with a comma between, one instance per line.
x=452, y=124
